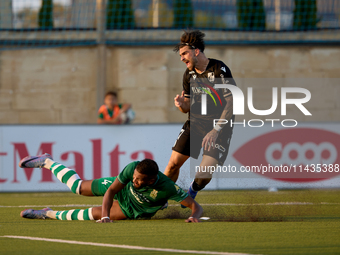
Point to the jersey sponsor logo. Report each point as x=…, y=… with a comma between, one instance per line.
x=178, y=189
x=106, y=182
x=200, y=90
x=204, y=98
x=211, y=77
x=224, y=81
x=222, y=78
x=153, y=194
x=223, y=69
x=139, y=196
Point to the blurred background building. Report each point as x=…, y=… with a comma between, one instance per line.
x=59, y=57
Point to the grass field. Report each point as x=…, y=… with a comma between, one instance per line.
x=246, y=222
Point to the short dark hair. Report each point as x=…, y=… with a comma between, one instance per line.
x=193, y=39
x=111, y=93
x=147, y=167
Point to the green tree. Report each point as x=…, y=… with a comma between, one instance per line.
x=183, y=14
x=251, y=15
x=45, y=17
x=305, y=15
x=119, y=14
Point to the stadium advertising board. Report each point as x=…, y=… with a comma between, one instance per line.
x=100, y=151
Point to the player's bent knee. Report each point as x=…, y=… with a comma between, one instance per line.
x=85, y=188
x=172, y=170
x=174, y=166
x=176, y=161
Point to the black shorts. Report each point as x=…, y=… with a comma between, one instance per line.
x=219, y=151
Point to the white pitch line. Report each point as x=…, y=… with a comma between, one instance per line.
x=217, y=204
x=122, y=246
x=30, y=206
x=275, y=203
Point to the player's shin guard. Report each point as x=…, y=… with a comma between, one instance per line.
x=193, y=190
x=195, y=187
x=76, y=214
x=67, y=176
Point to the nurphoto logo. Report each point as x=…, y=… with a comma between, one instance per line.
x=238, y=105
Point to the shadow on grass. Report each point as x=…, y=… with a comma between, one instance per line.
x=247, y=214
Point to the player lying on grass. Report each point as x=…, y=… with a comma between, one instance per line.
x=140, y=191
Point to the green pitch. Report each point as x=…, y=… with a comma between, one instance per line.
x=253, y=222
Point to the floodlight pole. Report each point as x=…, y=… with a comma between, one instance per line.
x=101, y=52
x=277, y=15
x=155, y=14
x=6, y=14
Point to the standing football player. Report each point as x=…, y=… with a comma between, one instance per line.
x=199, y=130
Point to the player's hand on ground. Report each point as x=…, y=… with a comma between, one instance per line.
x=104, y=220
x=192, y=219
x=179, y=100
x=209, y=139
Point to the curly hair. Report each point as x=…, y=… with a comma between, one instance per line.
x=147, y=167
x=193, y=39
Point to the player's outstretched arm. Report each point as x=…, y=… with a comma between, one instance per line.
x=196, y=209
x=115, y=187
x=182, y=103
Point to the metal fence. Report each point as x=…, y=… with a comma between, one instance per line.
x=37, y=23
